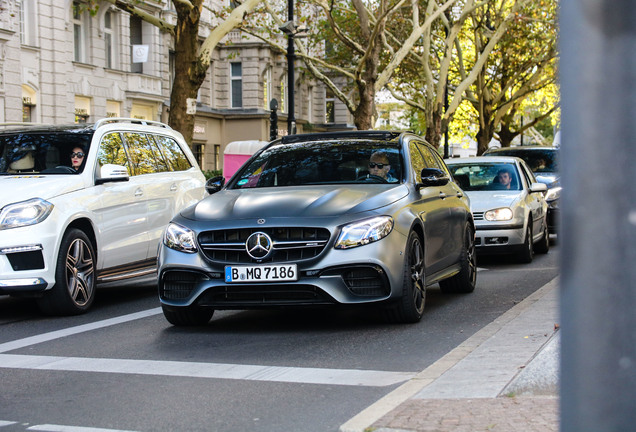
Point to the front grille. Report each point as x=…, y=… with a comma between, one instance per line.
x=178, y=285
x=366, y=281
x=478, y=216
x=263, y=295
x=289, y=244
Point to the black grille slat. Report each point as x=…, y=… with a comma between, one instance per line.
x=478, y=216
x=250, y=296
x=289, y=244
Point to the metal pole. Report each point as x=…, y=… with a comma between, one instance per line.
x=291, y=56
x=598, y=156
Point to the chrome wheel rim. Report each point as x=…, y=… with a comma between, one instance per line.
x=80, y=272
x=417, y=274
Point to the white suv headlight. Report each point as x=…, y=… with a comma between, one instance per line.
x=500, y=214
x=364, y=232
x=179, y=238
x=24, y=213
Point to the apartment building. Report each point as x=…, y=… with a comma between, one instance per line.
x=59, y=65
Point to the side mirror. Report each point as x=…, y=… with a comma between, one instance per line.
x=432, y=177
x=538, y=187
x=214, y=184
x=112, y=173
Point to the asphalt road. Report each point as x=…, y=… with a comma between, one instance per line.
x=124, y=367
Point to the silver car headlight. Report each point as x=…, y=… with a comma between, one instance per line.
x=24, y=213
x=500, y=214
x=364, y=232
x=179, y=238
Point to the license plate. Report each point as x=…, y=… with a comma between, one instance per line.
x=264, y=273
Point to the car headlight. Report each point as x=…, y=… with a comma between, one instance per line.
x=553, y=194
x=364, y=232
x=500, y=214
x=24, y=213
x=179, y=238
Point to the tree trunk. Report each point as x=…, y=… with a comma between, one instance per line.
x=188, y=73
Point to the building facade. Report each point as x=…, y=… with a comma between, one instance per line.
x=61, y=64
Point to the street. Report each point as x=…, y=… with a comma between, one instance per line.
x=122, y=366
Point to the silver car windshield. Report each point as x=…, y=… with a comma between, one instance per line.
x=322, y=162
x=486, y=176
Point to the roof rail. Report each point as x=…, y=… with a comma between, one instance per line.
x=109, y=120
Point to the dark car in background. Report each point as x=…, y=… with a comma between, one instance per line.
x=544, y=163
x=304, y=223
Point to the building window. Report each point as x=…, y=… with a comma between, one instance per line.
x=330, y=107
x=28, y=104
x=310, y=104
x=80, y=30
x=217, y=157
x=28, y=25
x=199, y=151
x=237, y=85
x=135, y=39
x=110, y=45
x=113, y=108
x=267, y=88
x=212, y=92
x=82, y=109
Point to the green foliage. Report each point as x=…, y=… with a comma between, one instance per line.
x=212, y=173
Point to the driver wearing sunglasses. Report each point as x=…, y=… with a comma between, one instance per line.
x=379, y=166
x=77, y=158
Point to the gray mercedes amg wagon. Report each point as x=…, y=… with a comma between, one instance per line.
x=367, y=217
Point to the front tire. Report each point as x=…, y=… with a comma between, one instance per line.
x=466, y=279
x=410, y=307
x=187, y=316
x=74, y=289
x=527, y=252
x=543, y=246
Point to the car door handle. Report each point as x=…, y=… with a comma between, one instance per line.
x=459, y=194
x=139, y=192
x=173, y=187
x=442, y=195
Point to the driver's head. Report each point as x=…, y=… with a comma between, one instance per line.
x=379, y=164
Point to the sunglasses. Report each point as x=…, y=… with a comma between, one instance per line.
x=379, y=165
x=77, y=155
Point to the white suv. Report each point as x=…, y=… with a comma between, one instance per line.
x=64, y=230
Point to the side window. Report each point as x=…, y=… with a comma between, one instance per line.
x=141, y=155
x=162, y=163
x=173, y=153
x=528, y=175
x=111, y=151
x=432, y=159
x=417, y=159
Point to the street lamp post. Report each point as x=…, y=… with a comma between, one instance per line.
x=289, y=28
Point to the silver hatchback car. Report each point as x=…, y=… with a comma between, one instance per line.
x=507, y=202
x=322, y=219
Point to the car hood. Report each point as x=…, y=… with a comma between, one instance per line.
x=20, y=187
x=481, y=201
x=300, y=201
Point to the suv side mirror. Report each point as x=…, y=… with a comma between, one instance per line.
x=214, y=184
x=432, y=177
x=112, y=173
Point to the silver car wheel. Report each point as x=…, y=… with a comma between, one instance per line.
x=80, y=272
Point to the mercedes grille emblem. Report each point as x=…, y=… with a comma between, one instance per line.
x=258, y=245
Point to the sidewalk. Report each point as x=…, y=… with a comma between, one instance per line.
x=504, y=378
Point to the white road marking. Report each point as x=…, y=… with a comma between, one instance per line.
x=6, y=423
x=62, y=428
x=46, y=337
x=348, y=377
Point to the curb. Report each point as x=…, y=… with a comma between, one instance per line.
x=363, y=420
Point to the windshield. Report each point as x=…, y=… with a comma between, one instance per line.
x=42, y=152
x=324, y=162
x=486, y=176
x=539, y=161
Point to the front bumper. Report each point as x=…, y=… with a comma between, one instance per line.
x=366, y=274
x=27, y=259
x=499, y=239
